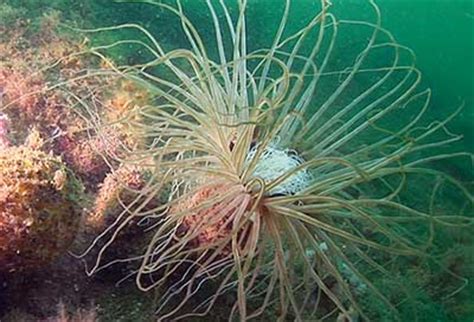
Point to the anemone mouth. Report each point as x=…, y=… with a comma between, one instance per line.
x=274, y=163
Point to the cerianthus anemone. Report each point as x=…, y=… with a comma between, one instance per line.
x=286, y=167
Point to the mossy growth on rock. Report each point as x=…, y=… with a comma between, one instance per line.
x=39, y=208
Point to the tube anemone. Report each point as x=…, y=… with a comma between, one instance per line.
x=286, y=171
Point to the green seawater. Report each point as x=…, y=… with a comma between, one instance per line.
x=440, y=32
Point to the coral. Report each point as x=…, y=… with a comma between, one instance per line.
x=39, y=208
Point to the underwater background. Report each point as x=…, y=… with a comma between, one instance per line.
x=440, y=32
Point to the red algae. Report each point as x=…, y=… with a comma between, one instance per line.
x=120, y=187
x=39, y=208
x=4, y=126
x=48, y=146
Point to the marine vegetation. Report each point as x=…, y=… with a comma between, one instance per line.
x=291, y=168
x=46, y=153
x=39, y=204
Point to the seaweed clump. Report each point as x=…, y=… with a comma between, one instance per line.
x=39, y=206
